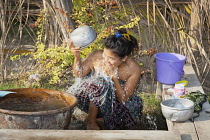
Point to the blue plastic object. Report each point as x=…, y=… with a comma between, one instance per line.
x=169, y=67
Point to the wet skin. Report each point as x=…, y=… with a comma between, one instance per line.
x=124, y=69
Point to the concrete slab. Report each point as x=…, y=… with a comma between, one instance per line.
x=190, y=130
x=191, y=77
x=14, y=134
x=186, y=129
x=202, y=125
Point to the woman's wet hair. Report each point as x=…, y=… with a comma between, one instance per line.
x=121, y=43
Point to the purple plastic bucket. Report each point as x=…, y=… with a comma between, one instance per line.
x=169, y=67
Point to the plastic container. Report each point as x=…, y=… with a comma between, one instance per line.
x=179, y=90
x=177, y=110
x=169, y=67
x=183, y=82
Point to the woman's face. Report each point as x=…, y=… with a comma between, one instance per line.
x=110, y=59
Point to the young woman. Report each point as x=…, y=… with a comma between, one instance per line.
x=108, y=79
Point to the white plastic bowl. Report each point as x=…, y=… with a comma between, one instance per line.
x=83, y=36
x=178, y=109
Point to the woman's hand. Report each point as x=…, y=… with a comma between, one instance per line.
x=74, y=50
x=112, y=72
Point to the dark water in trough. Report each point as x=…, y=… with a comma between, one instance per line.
x=40, y=101
x=36, y=108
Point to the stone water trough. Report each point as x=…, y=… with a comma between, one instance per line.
x=33, y=108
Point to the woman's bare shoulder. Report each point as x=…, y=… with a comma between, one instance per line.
x=134, y=66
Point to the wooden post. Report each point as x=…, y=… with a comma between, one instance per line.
x=159, y=90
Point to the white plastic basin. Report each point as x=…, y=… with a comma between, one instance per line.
x=178, y=109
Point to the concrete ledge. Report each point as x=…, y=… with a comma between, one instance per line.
x=14, y=134
x=189, y=130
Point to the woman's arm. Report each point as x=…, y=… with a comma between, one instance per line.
x=80, y=69
x=123, y=93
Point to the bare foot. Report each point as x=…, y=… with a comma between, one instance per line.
x=92, y=125
x=91, y=119
x=100, y=122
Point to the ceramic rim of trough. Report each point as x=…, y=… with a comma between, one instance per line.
x=50, y=91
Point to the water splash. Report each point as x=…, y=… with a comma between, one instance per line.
x=151, y=121
x=148, y=120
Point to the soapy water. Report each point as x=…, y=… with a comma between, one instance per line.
x=177, y=104
x=91, y=78
x=146, y=122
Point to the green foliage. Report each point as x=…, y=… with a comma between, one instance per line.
x=18, y=84
x=18, y=56
x=132, y=24
x=87, y=13
x=151, y=103
x=102, y=19
x=10, y=85
x=15, y=57
x=198, y=98
x=40, y=23
x=208, y=95
x=52, y=61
